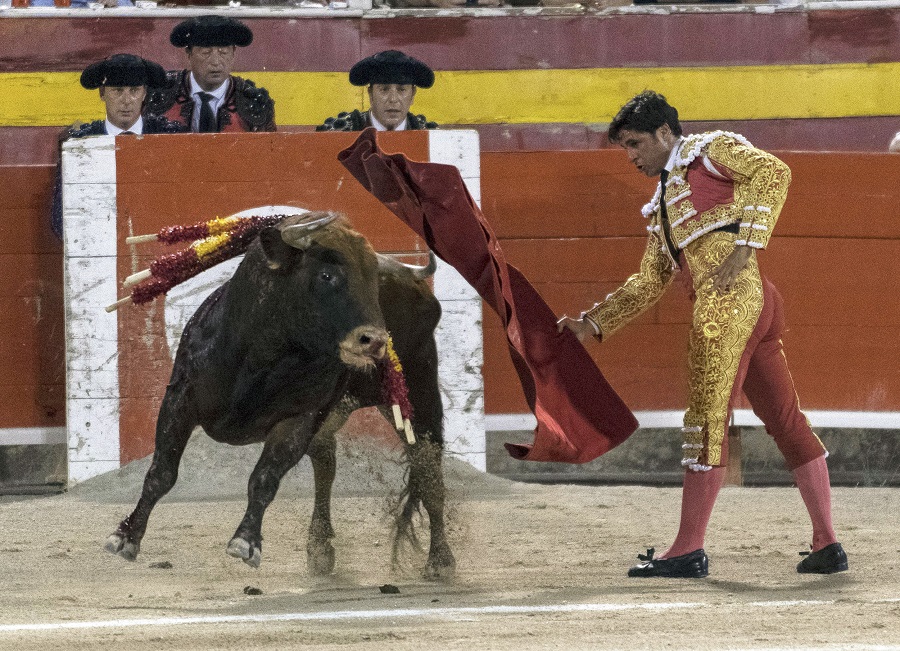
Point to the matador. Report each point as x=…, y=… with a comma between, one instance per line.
x=716, y=205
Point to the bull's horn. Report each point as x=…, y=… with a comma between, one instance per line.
x=421, y=273
x=387, y=263
x=296, y=233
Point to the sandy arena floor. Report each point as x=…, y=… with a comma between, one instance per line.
x=539, y=567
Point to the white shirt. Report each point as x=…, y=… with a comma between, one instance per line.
x=380, y=127
x=216, y=102
x=137, y=128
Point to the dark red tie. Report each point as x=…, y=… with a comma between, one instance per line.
x=207, y=119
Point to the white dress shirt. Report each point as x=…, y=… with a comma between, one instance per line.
x=380, y=127
x=136, y=128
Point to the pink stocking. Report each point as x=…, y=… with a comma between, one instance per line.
x=697, y=500
x=815, y=489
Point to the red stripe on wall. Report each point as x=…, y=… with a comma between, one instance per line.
x=512, y=42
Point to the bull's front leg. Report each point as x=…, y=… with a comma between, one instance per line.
x=426, y=483
x=284, y=448
x=319, y=550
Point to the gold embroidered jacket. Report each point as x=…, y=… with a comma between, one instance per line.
x=718, y=179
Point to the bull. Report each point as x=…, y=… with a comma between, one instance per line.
x=283, y=353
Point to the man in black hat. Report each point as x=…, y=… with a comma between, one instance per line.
x=123, y=80
x=392, y=78
x=206, y=97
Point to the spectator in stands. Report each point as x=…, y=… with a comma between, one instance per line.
x=895, y=143
x=206, y=97
x=122, y=80
x=392, y=78
x=716, y=204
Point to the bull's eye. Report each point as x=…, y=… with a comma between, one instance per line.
x=324, y=276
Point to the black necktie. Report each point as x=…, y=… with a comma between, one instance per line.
x=664, y=215
x=207, y=119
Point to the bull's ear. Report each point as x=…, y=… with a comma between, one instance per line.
x=278, y=253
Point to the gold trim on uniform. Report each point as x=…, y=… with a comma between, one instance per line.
x=638, y=293
x=722, y=323
x=722, y=326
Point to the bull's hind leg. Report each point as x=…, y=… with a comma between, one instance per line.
x=284, y=448
x=426, y=483
x=173, y=429
x=425, y=487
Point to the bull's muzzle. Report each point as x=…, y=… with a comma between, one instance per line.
x=364, y=346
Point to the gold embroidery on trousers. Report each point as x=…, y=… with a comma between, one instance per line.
x=722, y=325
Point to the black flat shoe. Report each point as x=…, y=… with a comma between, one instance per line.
x=827, y=560
x=694, y=565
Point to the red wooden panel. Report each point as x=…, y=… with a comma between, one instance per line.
x=31, y=341
x=841, y=195
x=470, y=43
x=29, y=405
x=563, y=194
x=837, y=282
x=845, y=367
x=25, y=198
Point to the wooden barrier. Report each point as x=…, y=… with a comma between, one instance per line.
x=32, y=364
x=119, y=363
x=569, y=220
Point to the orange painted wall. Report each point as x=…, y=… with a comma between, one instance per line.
x=32, y=356
x=571, y=222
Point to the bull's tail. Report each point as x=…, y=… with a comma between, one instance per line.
x=407, y=505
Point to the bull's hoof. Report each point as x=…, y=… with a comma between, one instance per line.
x=437, y=572
x=441, y=566
x=320, y=559
x=117, y=544
x=240, y=548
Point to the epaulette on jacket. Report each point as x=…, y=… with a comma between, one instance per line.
x=95, y=128
x=253, y=104
x=357, y=121
x=419, y=122
x=161, y=99
x=345, y=121
x=161, y=124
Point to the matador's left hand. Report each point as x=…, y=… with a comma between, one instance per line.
x=725, y=274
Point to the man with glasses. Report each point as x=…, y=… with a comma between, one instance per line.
x=392, y=78
x=206, y=97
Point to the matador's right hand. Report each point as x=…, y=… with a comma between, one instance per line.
x=581, y=327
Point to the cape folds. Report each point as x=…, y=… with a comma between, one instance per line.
x=579, y=416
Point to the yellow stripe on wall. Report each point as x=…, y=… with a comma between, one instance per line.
x=526, y=96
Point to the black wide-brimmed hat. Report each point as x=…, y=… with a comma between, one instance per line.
x=211, y=31
x=123, y=70
x=391, y=67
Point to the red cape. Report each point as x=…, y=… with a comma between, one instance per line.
x=579, y=415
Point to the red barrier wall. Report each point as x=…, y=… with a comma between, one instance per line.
x=571, y=222
x=32, y=359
